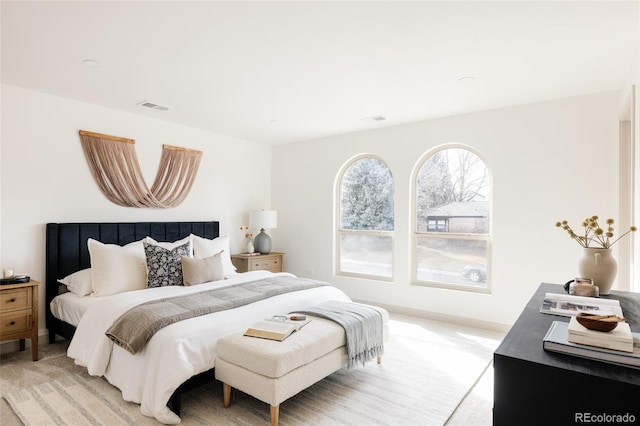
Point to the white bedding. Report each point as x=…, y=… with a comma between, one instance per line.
x=70, y=307
x=179, y=351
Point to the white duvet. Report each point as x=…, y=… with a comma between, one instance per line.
x=176, y=352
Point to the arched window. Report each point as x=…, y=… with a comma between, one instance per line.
x=365, y=219
x=452, y=226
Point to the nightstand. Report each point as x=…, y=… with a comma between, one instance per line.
x=263, y=262
x=19, y=314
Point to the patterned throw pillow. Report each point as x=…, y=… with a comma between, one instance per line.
x=164, y=267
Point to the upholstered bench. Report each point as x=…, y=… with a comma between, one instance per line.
x=274, y=371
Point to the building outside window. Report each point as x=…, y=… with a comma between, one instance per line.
x=365, y=224
x=452, y=226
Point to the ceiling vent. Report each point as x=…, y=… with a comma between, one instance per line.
x=374, y=118
x=149, y=104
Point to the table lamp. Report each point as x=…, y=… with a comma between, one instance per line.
x=263, y=219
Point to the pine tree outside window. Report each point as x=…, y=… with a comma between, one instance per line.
x=365, y=219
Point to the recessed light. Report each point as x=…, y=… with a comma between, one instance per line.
x=91, y=63
x=466, y=80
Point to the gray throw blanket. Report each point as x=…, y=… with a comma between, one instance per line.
x=135, y=327
x=362, y=325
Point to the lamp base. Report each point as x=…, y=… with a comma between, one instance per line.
x=262, y=242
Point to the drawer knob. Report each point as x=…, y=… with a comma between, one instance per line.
x=12, y=323
x=12, y=300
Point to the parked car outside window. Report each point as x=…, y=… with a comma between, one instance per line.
x=475, y=273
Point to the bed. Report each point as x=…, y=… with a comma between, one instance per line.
x=178, y=356
x=67, y=252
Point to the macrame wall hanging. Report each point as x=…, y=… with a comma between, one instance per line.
x=114, y=165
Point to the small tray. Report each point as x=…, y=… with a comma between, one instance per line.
x=17, y=279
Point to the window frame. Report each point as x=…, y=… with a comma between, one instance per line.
x=416, y=236
x=374, y=233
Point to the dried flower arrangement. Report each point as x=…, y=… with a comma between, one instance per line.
x=594, y=236
x=247, y=234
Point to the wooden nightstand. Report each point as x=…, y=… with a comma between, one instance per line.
x=19, y=314
x=265, y=262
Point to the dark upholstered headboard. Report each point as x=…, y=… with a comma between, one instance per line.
x=67, y=251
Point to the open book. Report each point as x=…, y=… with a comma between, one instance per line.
x=275, y=329
x=568, y=305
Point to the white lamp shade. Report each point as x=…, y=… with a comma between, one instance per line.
x=263, y=219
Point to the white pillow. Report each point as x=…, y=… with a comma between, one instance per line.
x=79, y=282
x=116, y=269
x=170, y=246
x=203, y=247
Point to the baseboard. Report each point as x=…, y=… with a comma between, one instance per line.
x=470, y=322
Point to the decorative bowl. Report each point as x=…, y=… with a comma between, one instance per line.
x=598, y=322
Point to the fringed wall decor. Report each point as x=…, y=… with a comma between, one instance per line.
x=114, y=165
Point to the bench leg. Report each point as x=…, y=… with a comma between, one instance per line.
x=226, y=395
x=275, y=413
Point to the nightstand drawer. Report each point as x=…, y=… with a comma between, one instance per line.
x=266, y=264
x=19, y=298
x=15, y=322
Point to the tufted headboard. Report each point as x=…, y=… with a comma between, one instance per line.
x=67, y=251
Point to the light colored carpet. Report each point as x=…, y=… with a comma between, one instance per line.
x=428, y=369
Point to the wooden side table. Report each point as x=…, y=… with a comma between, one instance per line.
x=19, y=314
x=264, y=262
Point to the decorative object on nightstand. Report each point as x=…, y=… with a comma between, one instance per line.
x=258, y=262
x=247, y=236
x=19, y=314
x=263, y=219
x=7, y=272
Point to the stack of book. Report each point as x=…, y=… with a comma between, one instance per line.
x=622, y=347
x=618, y=339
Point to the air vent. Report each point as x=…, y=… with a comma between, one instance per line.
x=374, y=118
x=152, y=105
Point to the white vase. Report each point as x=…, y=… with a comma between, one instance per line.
x=599, y=265
x=250, y=248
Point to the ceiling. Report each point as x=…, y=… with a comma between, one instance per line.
x=281, y=72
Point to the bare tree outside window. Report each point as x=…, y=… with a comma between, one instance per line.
x=452, y=219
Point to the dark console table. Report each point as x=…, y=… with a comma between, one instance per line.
x=536, y=387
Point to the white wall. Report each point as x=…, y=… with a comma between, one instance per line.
x=45, y=178
x=550, y=161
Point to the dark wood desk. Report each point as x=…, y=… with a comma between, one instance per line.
x=536, y=387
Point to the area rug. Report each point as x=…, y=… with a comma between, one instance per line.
x=424, y=375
